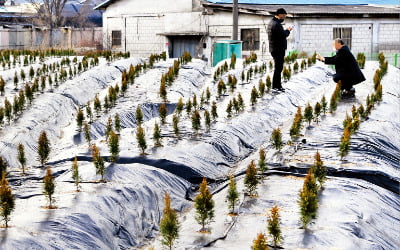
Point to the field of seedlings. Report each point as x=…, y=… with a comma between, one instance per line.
x=98, y=150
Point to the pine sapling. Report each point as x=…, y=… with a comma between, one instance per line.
x=108, y=127
x=250, y=180
x=175, y=122
x=204, y=206
x=49, y=187
x=43, y=148
x=7, y=200
x=162, y=112
x=207, y=120
x=214, y=112
x=98, y=162
x=117, y=123
x=196, y=121
x=139, y=115
x=113, y=145
x=262, y=165
x=324, y=104
x=229, y=109
x=157, y=135
x=274, y=227
x=79, y=119
x=308, y=113
x=86, y=131
x=141, y=139
x=179, y=107
x=308, y=200
x=21, y=157
x=169, y=224
x=75, y=174
x=260, y=243
x=276, y=139
x=253, y=96
x=318, y=169
x=232, y=195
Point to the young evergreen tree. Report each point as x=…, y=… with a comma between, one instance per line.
x=260, y=243
x=189, y=107
x=139, y=116
x=49, y=186
x=86, y=131
x=8, y=110
x=276, y=139
x=89, y=113
x=214, y=112
x=194, y=101
x=97, y=104
x=207, y=120
x=308, y=113
x=233, y=195
x=344, y=146
x=98, y=162
x=324, y=104
x=308, y=200
x=317, y=111
x=175, y=122
x=16, y=80
x=157, y=135
x=204, y=205
x=196, y=121
x=274, y=227
x=261, y=162
x=240, y=102
x=250, y=180
x=43, y=148
x=21, y=156
x=113, y=145
x=253, y=97
x=109, y=126
x=117, y=123
x=169, y=224
x=229, y=109
x=318, y=169
x=7, y=200
x=163, y=91
x=80, y=118
x=163, y=112
x=179, y=107
x=208, y=95
x=141, y=139
x=75, y=174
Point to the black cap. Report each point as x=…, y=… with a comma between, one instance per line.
x=280, y=11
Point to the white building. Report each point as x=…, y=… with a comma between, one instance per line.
x=143, y=27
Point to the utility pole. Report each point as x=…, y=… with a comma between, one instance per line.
x=235, y=20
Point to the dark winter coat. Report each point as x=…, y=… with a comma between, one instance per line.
x=346, y=66
x=277, y=36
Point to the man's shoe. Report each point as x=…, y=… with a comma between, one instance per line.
x=281, y=89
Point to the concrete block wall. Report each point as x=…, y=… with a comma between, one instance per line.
x=389, y=38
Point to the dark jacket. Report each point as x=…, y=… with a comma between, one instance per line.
x=277, y=36
x=346, y=66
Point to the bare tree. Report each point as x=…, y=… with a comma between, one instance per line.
x=50, y=13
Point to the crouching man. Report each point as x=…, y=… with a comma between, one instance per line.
x=347, y=71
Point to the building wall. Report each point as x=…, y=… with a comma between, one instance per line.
x=389, y=37
x=369, y=35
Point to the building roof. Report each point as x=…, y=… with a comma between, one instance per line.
x=104, y=4
x=312, y=9
x=301, y=2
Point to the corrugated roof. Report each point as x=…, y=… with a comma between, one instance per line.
x=313, y=9
x=301, y=2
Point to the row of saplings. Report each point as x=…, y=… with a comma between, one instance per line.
x=204, y=204
x=13, y=109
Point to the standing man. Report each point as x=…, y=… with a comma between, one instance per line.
x=278, y=45
x=348, y=72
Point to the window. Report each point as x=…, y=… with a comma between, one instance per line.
x=250, y=38
x=344, y=34
x=116, y=38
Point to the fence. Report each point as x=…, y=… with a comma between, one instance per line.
x=66, y=38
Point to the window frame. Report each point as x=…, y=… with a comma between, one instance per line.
x=247, y=44
x=115, y=40
x=344, y=33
